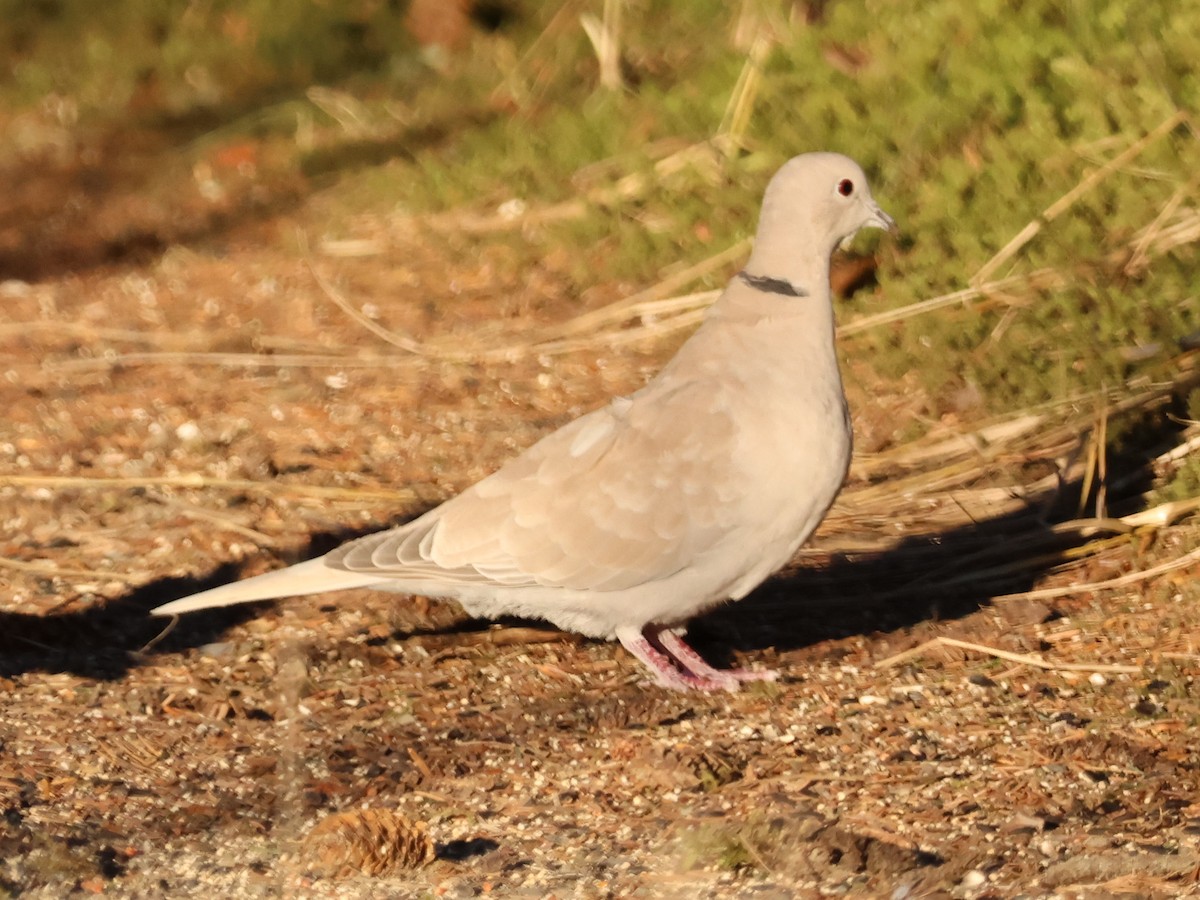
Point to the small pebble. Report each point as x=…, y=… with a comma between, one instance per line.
x=511, y=209
x=1097, y=679
x=188, y=431
x=974, y=879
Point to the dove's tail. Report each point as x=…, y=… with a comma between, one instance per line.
x=312, y=577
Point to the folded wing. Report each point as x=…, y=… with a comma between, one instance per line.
x=627, y=495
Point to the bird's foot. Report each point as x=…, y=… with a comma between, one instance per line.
x=677, y=666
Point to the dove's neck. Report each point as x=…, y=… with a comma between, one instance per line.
x=781, y=289
x=790, y=252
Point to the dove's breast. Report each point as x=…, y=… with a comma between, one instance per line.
x=794, y=446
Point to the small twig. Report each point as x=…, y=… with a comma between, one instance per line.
x=158, y=638
x=49, y=570
x=407, y=344
x=1121, y=581
x=1164, y=514
x=1042, y=278
x=199, y=482
x=1140, y=257
x=221, y=521
x=1023, y=658
x=419, y=762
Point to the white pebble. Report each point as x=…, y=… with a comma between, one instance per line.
x=511, y=209
x=188, y=431
x=974, y=879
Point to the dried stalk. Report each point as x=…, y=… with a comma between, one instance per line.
x=49, y=570
x=1122, y=581
x=1067, y=200
x=1026, y=659
x=404, y=496
x=605, y=37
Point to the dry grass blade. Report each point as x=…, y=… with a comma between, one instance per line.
x=221, y=521
x=516, y=83
x=605, y=36
x=646, y=303
x=732, y=133
x=507, y=636
x=249, y=360
x=49, y=570
x=658, y=315
x=404, y=496
x=1022, y=658
x=347, y=110
x=407, y=344
x=702, y=156
x=93, y=332
x=1121, y=581
x=1048, y=431
x=1067, y=200
x=1139, y=259
x=1042, y=279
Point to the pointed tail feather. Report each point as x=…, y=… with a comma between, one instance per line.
x=312, y=577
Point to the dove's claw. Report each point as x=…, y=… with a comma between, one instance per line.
x=677, y=666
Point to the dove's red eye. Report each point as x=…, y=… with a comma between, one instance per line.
x=845, y=187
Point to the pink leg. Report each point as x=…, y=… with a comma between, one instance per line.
x=665, y=672
x=672, y=641
x=677, y=666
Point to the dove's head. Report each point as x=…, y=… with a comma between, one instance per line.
x=814, y=203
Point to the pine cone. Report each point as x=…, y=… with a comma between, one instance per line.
x=366, y=842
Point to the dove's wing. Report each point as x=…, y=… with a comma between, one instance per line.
x=627, y=495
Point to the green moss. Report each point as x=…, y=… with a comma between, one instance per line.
x=732, y=845
x=1183, y=484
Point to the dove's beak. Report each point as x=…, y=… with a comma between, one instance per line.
x=876, y=218
x=880, y=219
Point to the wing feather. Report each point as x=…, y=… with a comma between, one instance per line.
x=626, y=495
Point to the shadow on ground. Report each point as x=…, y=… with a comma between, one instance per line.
x=143, y=184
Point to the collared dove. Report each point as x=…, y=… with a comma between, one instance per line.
x=629, y=521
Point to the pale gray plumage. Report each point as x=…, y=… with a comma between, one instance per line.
x=634, y=518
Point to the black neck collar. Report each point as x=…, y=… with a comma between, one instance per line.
x=769, y=285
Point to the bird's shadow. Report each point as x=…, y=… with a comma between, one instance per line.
x=945, y=575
